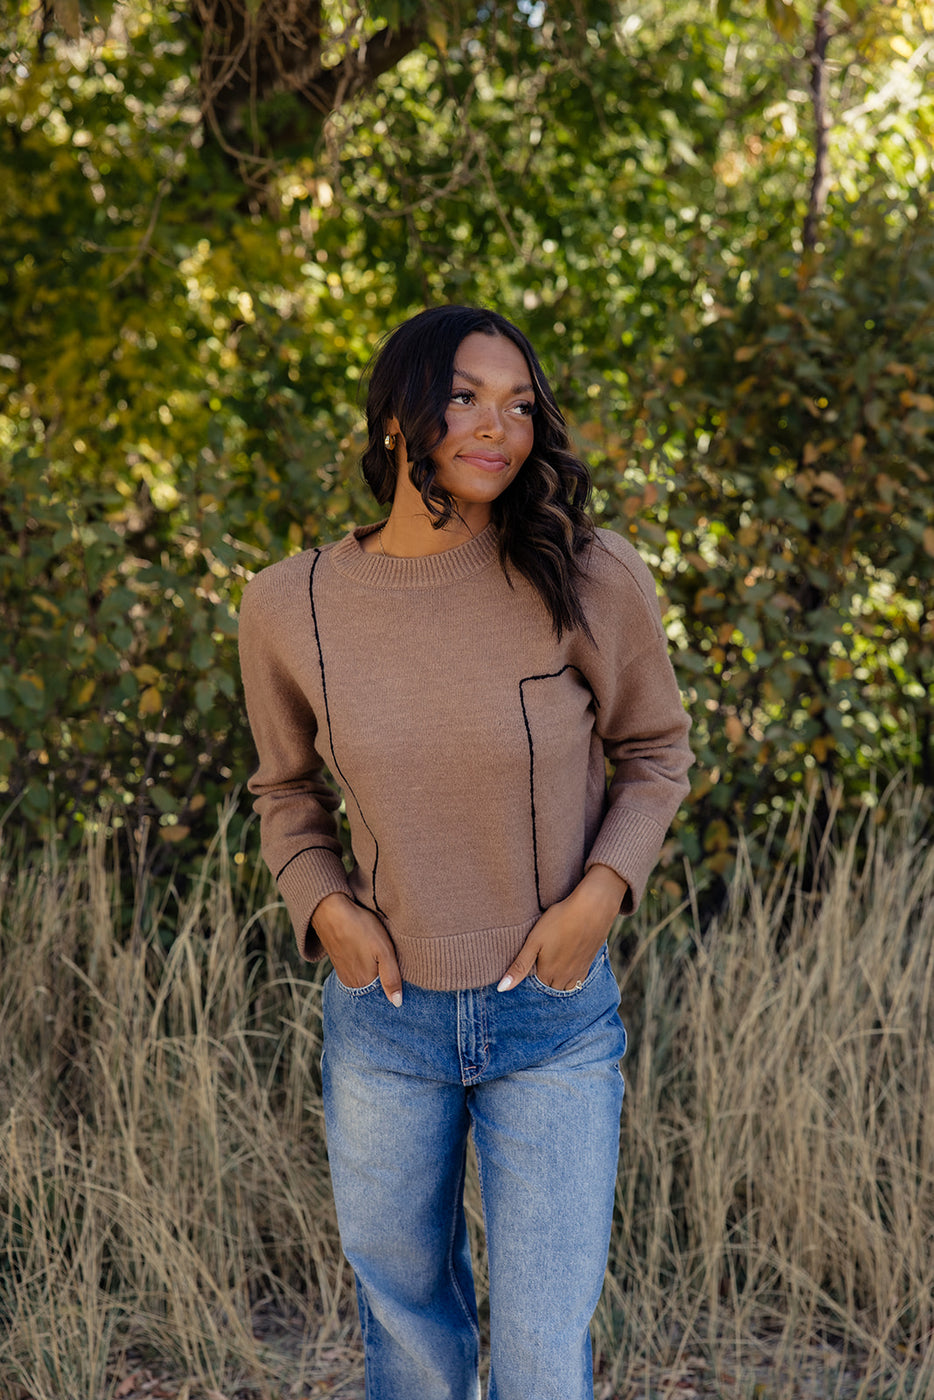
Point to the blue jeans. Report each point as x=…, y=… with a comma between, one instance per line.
x=534, y=1073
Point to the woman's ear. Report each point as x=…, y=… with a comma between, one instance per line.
x=393, y=436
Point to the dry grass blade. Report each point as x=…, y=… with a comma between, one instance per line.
x=165, y=1216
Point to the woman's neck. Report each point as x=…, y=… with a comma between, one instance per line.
x=409, y=532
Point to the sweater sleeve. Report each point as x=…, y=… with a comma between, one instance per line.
x=639, y=717
x=294, y=800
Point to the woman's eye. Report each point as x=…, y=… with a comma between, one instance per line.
x=524, y=409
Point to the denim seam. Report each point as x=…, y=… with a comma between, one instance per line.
x=455, y=1286
x=357, y=992
x=472, y=1069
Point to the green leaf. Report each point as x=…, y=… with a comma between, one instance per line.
x=163, y=799
x=204, y=695
x=202, y=651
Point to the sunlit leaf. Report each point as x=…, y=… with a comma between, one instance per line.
x=150, y=702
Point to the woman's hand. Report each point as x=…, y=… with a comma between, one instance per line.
x=358, y=945
x=568, y=936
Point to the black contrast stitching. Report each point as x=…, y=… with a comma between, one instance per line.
x=300, y=853
x=546, y=676
x=327, y=716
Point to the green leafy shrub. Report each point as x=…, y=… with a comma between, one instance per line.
x=783, y=482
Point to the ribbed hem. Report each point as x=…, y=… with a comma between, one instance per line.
x=425, y=571
x=303, y=884
x=629, y=843
x=460, y=960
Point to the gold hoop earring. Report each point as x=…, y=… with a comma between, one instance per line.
x=389, y=441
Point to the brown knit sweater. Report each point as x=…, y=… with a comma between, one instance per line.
x=467, y=742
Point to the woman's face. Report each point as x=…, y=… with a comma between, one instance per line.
x=489, y=421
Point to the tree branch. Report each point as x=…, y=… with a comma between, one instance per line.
x=250, y=53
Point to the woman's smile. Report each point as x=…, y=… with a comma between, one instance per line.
x=486, y=461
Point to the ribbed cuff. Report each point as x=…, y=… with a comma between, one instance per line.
x=303, y=884
x=629, y=843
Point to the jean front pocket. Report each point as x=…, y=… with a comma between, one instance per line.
x=356, y=991
x=596, y=967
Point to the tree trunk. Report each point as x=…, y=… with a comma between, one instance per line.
x=820, y=181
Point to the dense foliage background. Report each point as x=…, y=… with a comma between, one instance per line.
x=716, y=226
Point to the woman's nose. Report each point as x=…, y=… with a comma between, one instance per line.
x=492, y=424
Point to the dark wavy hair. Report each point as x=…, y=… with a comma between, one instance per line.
x=541, y=517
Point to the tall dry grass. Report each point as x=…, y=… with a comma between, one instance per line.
x=161, y=1157
x=776, y=1190
x=162, y=1171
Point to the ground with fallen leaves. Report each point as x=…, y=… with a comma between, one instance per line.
x=341, y=1378
x=817, y=1373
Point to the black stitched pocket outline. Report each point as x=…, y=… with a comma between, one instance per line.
x=527, y=680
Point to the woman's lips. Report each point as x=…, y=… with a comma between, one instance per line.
x=486, y=461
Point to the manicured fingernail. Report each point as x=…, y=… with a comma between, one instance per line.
x=505, y=984
x=396, y=998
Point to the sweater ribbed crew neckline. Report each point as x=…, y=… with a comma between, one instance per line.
x=425, y=571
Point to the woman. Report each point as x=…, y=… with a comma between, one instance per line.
x=464, y=668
